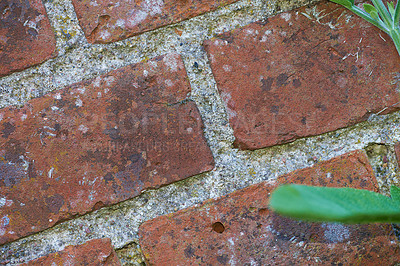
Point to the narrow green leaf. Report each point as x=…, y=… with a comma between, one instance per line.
x=345, y=3
x=391, y=8
x=346, y=205
x=383, y=12
x=395, y=194
x=396, y=15
x=370, y=9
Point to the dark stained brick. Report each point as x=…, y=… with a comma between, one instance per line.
x=295, y=76
x=97, y=143
x=94, y=252
x=106, y=21
x=397, y=151
x=26, y=36
x=239, y=229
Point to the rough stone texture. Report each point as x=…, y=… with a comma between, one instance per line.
x=97, y=143
x=93, y=252
x=26, y=36
x=303, y=73
x=109, y=21
x=239, y=229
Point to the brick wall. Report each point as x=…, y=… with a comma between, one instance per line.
x=154, y=131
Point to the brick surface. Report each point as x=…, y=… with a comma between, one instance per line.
x=93, y=252
x=109, y=21
x=97, y=143
x=26, y=36
x=397, y=152
x=303, y=73
x=239, y=229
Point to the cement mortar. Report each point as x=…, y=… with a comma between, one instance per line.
x=78, y=60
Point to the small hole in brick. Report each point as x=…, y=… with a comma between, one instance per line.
x=263, y=211
x=218, y=227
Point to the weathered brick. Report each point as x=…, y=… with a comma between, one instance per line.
x=397, y=152
x=93, y=252
x=239, y=229
x=109, y=21
x=303, y=73
x=26, y=36
x=97, y=143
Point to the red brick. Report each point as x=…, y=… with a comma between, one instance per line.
x=97, y=143
x=239, y=229
x=26, y=36
x=397, y=152
x=93, y=252
x=110, y=21
x=292, y=77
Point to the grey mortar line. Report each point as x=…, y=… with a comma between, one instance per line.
x=233, y=168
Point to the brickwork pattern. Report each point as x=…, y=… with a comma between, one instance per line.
x=106, y=145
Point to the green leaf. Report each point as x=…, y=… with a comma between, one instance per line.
x=345, y=205
x=370, y=9
x=395, y=194
x=391, y=8
x=345, y=3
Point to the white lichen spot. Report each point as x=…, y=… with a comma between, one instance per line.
x=286, y=16
x=265, y=36
x=189, y=129
x=81, y=90
x=109, y=80
x=79, y=102
x=99, y=94
x=329, y=175
x=152, y=64
x=336, y=232
x=1, y=116
x=55, y=108
x=120, y=23
x=50, y=173
x=4, y=221
x=169, y=83
x=227, y=68
x=145, y=73
x=57, y=96
x=23, y=117
x=171, y=61
x=250, y=32
x=96, y=82
x=153, y=7
x=153, y=173
x=136, y=18
x=2, y=202
x=105, y=34
x=106, y=90
x=83, y=128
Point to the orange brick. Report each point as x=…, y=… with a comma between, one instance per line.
x=294, y=76
x=110, y=21
x=97, y=143
x=239, y=229
x=26, y=36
